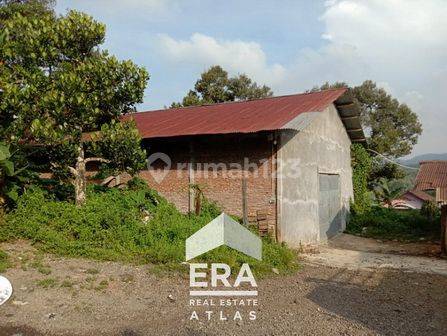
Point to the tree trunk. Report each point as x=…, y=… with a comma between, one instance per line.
x=444, y=230
x=80, y=183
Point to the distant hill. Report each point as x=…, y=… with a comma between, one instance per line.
x=414, y=161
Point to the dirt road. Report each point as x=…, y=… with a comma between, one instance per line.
x=56, y=296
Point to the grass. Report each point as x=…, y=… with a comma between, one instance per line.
x=110, y=227
x=391, y=224
x=4, y=261
x=47, y=283
x=67, y=283
x=37, y=264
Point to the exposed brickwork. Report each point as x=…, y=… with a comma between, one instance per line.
x=218, y=163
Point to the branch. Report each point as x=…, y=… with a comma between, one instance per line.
x=96, y=159
x=71, y=169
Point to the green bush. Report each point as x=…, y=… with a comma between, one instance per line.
x=386, y=223
x=430, y=210
x=361, y=168
x=110, y=226
x=4, y=261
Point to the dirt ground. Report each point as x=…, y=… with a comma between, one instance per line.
x=355, y=243
x=59, y=296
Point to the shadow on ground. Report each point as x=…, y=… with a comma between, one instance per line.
x=380, y=305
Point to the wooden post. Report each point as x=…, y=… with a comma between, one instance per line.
x=444, y=230
x=244, y=200
x=191, y=191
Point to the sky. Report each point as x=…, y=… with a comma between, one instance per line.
x=289, y=45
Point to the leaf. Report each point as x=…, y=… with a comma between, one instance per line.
x=8, y=166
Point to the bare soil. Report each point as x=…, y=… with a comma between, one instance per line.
x=356, y=243
x=62, y=296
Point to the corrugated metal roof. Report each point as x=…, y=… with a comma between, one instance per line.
x=432, y=175
x=236, y=117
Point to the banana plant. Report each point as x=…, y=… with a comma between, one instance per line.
x=8, y=175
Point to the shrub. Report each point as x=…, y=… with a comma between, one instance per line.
x=430, y=210
x=393, y=224
x=110, y=226
x=4, y=261
x=361, y=168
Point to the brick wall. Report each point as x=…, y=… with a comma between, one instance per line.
x=219, y=164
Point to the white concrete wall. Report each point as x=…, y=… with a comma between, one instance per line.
x=322, y=147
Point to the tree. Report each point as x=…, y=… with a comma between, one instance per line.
x=214, y=86
x=386, y=191
x=58, y=88
x=28, y=8
x=392, y=128
x=361, y=169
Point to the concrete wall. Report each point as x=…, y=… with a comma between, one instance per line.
x=322, y=147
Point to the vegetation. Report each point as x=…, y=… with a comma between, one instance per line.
x=392, y=128
x=430, y=210
x=214, y=86
x=386, y=191
x=110, y=226
x=361, y=169
x=383, y=223
x=4, y=261
x=58, y=87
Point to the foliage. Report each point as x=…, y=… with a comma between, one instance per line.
x=386, y=191
x=111, y=226
x=387, y=170
x=120, y=143
x=392, y=128
x=430, y=210
x=361, y=169
x=58, y=85
x=12, y=178
x=4, y=261
x=383, y=223
x=29, y=8
x=214, y=86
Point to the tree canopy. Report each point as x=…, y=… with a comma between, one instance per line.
x=214, y=86
x=391, y=127
x=57, y=85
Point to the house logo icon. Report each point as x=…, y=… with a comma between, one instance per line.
x=223, y=230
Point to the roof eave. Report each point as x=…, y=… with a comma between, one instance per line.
x=349, y=110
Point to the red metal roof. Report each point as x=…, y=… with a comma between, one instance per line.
x=432, y=175
x=233, y=117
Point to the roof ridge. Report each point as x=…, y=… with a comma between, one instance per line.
x=239, y=101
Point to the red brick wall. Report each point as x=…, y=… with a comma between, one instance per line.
x=223, y=185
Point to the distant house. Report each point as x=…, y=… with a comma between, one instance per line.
x=283, y=162
x=412, y=199
x=432, y=178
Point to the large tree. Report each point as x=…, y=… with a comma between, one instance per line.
x=59, y=90
x=214, y=86
x=391, y=127
x=29, y=8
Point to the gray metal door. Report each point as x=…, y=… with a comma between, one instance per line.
x=329, y=205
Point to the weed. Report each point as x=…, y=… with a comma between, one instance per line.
x=92, y=271
x=403, y=225
x=4, y=261
x=47, y=283
x=102, y=285
x=127, y=277
x=67, y=283
x=110, y=227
